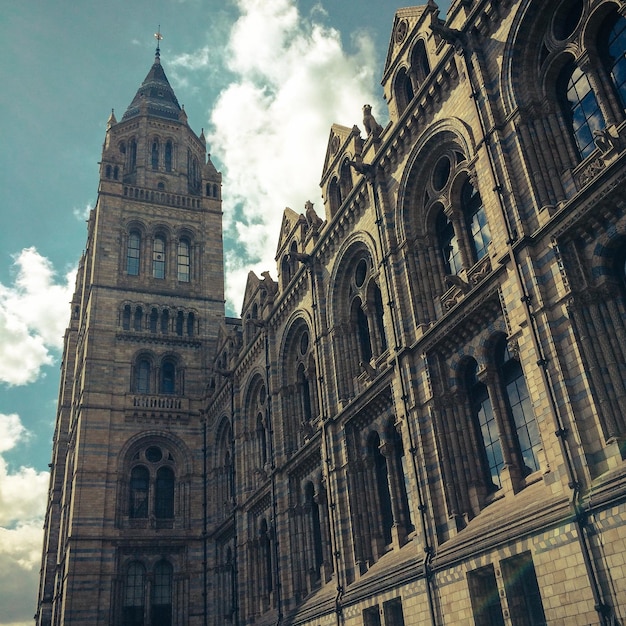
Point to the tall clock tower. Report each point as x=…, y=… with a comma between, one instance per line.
x=123, y=532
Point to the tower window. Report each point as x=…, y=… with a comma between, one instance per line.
x=168, y=377
x=142, y=383
x=133, y=253
x=476, y=218
x=183, y=261
x=168, y=156
x=158, y=258
x=155, y=155
x=164, y=494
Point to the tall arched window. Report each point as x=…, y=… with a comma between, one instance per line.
x=132, y=157
x=154, y=320
x=334, y=196
x=580, y=107
x=315, y=528
x=138, y=319
x=161, y=603
x=168, y=376
x=138, y=492
x=476, y=219
x=403, y=90
x=158, y=257
x=520, y=407
x=183, y=261
x=304, y=393
x=164, y=493
x=491, y=458
x=266, y=559
x=168, y=156
x=134, y=595
x=155, y=154
x=359, y=321
x=448, y=245
x=142, y=376
x=133, y=253
x=126, y=317
x=381, y=478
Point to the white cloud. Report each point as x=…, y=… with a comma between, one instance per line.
x=271, y=124
x=82, y=214
x=22, y=506
x=33, y=315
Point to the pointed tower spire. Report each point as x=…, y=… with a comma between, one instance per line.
x=155, y=93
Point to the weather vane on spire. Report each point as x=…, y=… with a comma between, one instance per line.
x=158, y=36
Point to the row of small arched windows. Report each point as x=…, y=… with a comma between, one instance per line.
x=138, y=318
x=161, y=155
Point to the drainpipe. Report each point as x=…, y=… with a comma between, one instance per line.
x=371, y=173
x=235, y=584
x=578, y=515
x=205, y=573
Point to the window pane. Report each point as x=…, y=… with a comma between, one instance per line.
x=449, y=245
x=134, y=591
x=476, y=218
x=615, y=57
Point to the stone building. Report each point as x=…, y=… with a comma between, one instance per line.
x=421, y=421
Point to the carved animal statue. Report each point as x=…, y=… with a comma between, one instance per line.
x=369, y=121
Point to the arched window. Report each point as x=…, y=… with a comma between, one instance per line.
x=381, y=478
x=155, y=154
x=521, y=411
x=403, y=91
x=476, y=219
x=134, y=595
x=180, y=323
x=266, y=559
x=420, y=67
x=165, y=321
x=142, y=376
x=138, y=319
x=138, y=492
x=304, y=393
x=168, y=156
x=612, y=44
x=168, y=377
x=183, y=261
x=345, y=179
x=492, y=460
x=315, y=527
x=164, y=494
x=334, y=196
x=133, y=253
x=158, y=257
x=154, y=320
x=126, y=317
x=132, y=157
x=161, y=604
x=448, y=244
x=580, y=107
x=261, y=436
x=359, y=321
x=191, y=322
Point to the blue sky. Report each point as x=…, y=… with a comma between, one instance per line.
x=264, y=78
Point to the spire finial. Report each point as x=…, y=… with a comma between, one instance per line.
x=158, y=36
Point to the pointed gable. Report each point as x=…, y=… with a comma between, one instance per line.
x=339, y=135
x=291, y=221
x=405, y=22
